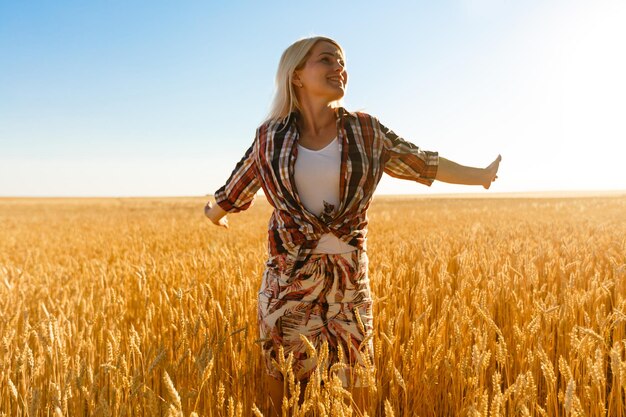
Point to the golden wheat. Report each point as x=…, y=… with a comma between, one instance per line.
x=483, y=307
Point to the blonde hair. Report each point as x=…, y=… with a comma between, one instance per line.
x=285, y=99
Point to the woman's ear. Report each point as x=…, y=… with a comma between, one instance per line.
x=295, y=80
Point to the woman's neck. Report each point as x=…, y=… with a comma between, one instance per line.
x=315, y=119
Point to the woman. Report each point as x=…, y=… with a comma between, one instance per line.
x=319, y=165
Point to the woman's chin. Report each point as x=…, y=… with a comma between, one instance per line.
x=339, y=93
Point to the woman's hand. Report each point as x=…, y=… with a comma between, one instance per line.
x=491, y=172
x=216, y=214
x=453, y=173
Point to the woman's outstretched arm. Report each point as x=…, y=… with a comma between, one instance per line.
x=454, y=173
x=216, y=214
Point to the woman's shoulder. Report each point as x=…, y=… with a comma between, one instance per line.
x=358, y=116
x=270, y=126
x=266, y=125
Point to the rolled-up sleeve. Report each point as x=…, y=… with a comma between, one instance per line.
x=405, y=160
x=242, y=185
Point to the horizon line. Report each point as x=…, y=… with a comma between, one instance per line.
x=483, y=194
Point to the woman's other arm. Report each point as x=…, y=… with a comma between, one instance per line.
x=216, y=214
x=454, y=173
x=239, y=191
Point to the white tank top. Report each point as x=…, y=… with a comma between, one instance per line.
x=316, y=174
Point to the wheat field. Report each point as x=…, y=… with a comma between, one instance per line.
x=483, y=307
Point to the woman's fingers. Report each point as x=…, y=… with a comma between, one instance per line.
x=492, y=171
x=496, y=163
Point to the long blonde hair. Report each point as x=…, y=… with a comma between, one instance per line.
x=285, y=99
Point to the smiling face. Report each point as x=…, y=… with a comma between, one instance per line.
x=323, y=75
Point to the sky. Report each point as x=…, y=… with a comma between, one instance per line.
x=161, y=98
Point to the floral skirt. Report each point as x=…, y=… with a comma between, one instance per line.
x=320, y=301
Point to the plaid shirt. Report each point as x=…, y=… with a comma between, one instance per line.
x=367, y=150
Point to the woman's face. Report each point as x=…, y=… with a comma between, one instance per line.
x=323, y=74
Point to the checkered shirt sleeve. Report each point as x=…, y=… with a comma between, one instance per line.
x=239, y=191
x=407, y=161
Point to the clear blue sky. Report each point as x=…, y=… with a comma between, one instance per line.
x=112, y=98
